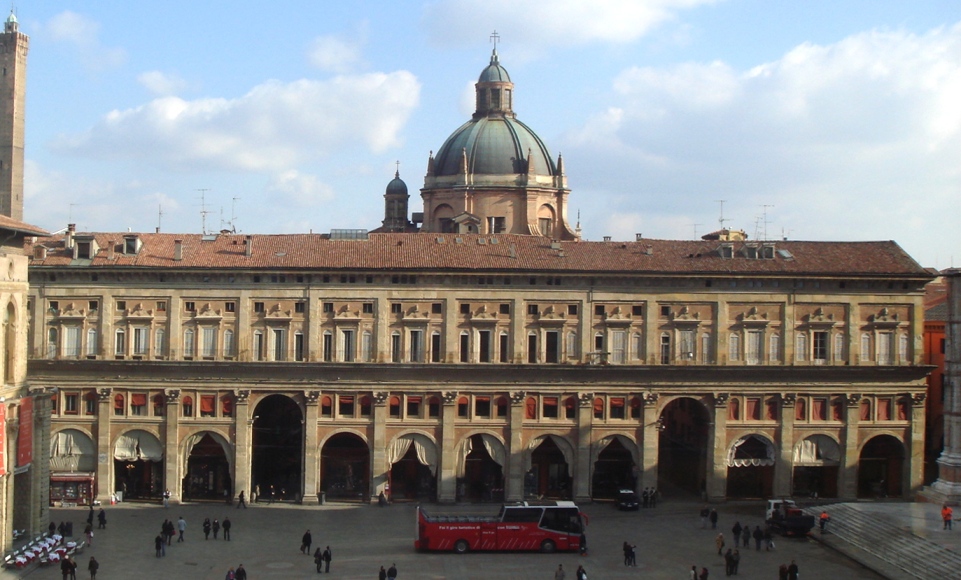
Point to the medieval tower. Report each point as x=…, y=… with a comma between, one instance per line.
x=13, y=94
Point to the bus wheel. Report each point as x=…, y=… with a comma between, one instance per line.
x=461, y=547
x=548, y=547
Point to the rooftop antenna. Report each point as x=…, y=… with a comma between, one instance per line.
x=160, y=216
x=785, y=234
x=695, y=229
x=764, y=213
x=233, y=214
x=721, y=219
x=203, y=209
x=70, y=212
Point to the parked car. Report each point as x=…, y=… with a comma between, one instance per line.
x=627, y=500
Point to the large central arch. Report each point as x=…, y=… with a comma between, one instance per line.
x=550, y=464
x=277, y=464
x=345, y=467
x=206, y=462
x=682, y=447
x=412, y=458
x=614, y=462
x=138, y=465
x=750, y=467
x=481, y=459
x=880, y=467
x=816, y=461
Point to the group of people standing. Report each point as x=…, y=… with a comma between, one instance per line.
x=579, y=574
x=388, y=574
x=215, y=527
x=649, y=497
x=322, y=558
x=167, y=531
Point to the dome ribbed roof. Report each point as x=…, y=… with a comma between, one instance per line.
x=396, y=186
x=494, y=73
x=494, y=146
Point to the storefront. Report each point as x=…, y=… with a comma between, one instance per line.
x=71, y=489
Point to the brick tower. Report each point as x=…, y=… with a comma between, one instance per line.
x=13, y=94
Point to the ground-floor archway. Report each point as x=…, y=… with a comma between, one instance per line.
x=614, y=468
x=549, y=476
x=480, y=469
x=880, y=467
x=750, y=467
x=138, y=465
x=277, y=449
x=207, y=470
x=73, y=467
x=413, y=468
x=682, y=448
x=816, y=460
x=345, y=468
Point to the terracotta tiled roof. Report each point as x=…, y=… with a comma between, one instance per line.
x=8, y=223
x=500, y=253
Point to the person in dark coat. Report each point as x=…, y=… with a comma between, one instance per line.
x=703, y=575
x=241, y=502
x=736, y=530
x=392, y=572
x=758, y=536
x=735, y=561
x=240, y=573
x=782, y=572
x=90, y=516
x=746, y=536
x=580, y=574
x=158, y=544
x=52, y=528
x=102, y=519
x=92, y=567
x=62, y=528
x=327, y=557
x=305, y=543
x=319, y=560
x=728, y=562
x=65, y=567
x=226, y=526
x=215, y=527
x=792, y=571
x=713, y=518
x=206, y=528
x=382, y=575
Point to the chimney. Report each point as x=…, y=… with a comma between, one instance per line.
x=638, y=237
x=68, y=240
x=110, y=250
x=607, y=238
x=178, y=250
x=248, y=245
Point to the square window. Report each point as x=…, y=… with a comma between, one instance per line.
x=665, y=311
x=300, y=307
x=162, y=306
x=550, y=408
x=259, y=307
x=230, y=306
x=599, y=310
x=637, y=310
x=121, y=305
x=435, y=308
x=505, y=309
x=413, y=406
x=368, y=307
x=482, y=407
x=465, y=308
x=532, y=309
x=328, y=307
x=345, y=406
x=190, y=306
x=92, y=305
x=572, y=309
x=396, y=308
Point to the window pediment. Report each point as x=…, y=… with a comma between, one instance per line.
x=208, y=313
x=70, y=313
x=343, y=314
x=820, y=319
x=885, y=319
x=138, y=312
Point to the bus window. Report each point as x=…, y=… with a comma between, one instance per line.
x=562, y=520
x=523, y=514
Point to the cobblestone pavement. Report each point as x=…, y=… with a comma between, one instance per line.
x=266, y=540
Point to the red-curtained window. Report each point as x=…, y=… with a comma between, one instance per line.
x=530, y=408
x=884, y=410
x=837, y=410
x=365, y=403
x=598, y=408
x=865, y=410
x=501, y=405
x=138, y=400
x=819, y=410
x=800, y=410
x=617, y=407
x=394, y=407
x=753, y=409
x=207, y=405
x=118, y=405
x=570, y=407
x=771, y=406
x=188, y=406
x=734, y=410
x=463, y=407
x=326, y=406
x=227, y=406
x=903, y=411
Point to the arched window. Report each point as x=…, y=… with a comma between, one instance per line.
x=365, y=406
x=636, y=408
x=120, y=342
x=530, y=408
x=158, y=405
x=800, y=410
x=159, y=343
x=118, y=405
x=226, y=406
x=326, y=406
x=501, y=404
x=638, y=346
x=394, y=406
x=187, y=403
x=865, y=410
x=598, y=408
x=463, y=407
x=570, y=408
x=52, y=346
x=433, y=407
x=91, y=346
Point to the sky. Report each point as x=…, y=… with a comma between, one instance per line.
x=816, y=120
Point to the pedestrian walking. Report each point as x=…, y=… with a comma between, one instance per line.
x=88, y=533
x=182, y=527
x=823, y=520
x=206, y=527
x=768, y=540
x=92, y=567
x=703, y=574
x=782, y=572
x=240, y=574
x=728, y=562
x=758, y=536
x=693, y=575
x=559, y=574
x=90, y=516
x=319, y=560
x=392, y=572
x=305, y=543
x=947, y=515
x=158, y=544
x=713, y=518
x=736, y=530
x=215, y=527
x=231, y=575
x=581, y=573
x=101, y=519
x=719, y=542
x=746, y=537
x=705, y=512
x=327, y=556
x=653, y=497
x=65, y=567
x=645, y=498
x=792, y=571
x=169, y=531
x=166, y=498
x=241, y=501
x=62, y=528
x=634, y=555
x=226, y=527
x=735, y=560
x=382, y=575
x=627, y=554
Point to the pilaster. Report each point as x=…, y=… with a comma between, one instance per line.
x=243, y=424
x=447, y=487
x=651, y=439
x=848, y=471
x=717, y=456
x=311, y=452
x=104, y=457
x=172, y=477
x=380, y=468
x=582, y=458
x=914, y=466
x=515, y=451
x=784, y=467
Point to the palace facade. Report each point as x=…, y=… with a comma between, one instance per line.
x=479, y=350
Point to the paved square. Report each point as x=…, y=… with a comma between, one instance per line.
x=266, y=540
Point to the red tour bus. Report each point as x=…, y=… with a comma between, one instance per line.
x=544, y=526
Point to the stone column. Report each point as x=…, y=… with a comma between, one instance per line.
x=378, y=443
x=582, y=455
x=515, y=449
x=40, y=470
x=173, y=480
x=948, y=484
x=447, y=486
x=652, y=435
x=311, y=453
x=914, y=466
x=717, y=451
x=104, y=453
x=784, y=468
x=848, y=470
x=243, y=425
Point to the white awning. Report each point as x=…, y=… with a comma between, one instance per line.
x=136, y=445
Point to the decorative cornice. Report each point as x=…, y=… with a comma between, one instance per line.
x=242, y=395
x=312, y=397
x=853, y=399
x=720, y=399
x=651, y=398
x=585, y=400
x=104, y=394
x=450, y=397
x=517, y=397
x=172, y=396
x=788, y=399
x=918, y=398
x=380, y=398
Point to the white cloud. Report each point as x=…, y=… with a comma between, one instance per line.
x=333, y=54
x=84, y=35
x=300, y=189
x=835, y=137
x=273, y=127
x=561, y=22
x=161, y=83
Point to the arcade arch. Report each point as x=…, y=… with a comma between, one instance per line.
x=615, y=466
x=816, y=460
x=481, y=459
x=277, y=448
x=138, y=465
x=550, y=465
x=345, y=467
x=412, y=458
x=206, y=465
x=880, y=467
x=750, y=467
x=684, y=426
